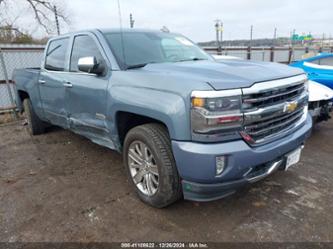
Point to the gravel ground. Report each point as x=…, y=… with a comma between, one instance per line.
x=62, y=187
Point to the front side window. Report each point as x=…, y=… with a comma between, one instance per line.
x=135, y=48
x=315, y=62
x=56, y=55
x=83, y=46
x=326, y=61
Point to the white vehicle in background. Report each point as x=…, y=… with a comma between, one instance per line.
x=320, y=101
x=320, y=96
x=219, y=58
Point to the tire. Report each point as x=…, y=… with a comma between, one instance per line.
x=35, y=125
x=156, y=139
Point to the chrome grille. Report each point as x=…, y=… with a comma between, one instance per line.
x=273, y=96
x=273, y=108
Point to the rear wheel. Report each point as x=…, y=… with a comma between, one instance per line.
x=151, y=166
x=35, y=125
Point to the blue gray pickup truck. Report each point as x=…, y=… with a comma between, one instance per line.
x=187, y=125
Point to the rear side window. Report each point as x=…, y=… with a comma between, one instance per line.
x=84, y=46
x=56, y=55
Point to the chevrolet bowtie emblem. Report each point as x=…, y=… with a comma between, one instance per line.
x=290, y=106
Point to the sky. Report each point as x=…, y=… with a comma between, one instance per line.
x=195, y=18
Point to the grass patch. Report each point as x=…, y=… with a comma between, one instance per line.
x=8, y=117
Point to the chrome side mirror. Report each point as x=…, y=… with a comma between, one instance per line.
x=91, y=65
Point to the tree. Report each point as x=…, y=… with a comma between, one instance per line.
x=42, y=11
x=9, y=34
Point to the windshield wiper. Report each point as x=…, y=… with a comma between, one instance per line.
x=139, y=65
x=136, y=66
x=193, y=59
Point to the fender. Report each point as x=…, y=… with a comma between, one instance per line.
x=167, y=107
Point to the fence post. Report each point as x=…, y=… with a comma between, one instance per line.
x=272, y=54
x=290, y=55
x=219, y=50
x=263, y=54
x=249, y=52
x=11, y=98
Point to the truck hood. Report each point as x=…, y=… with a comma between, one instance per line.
x=226, y=74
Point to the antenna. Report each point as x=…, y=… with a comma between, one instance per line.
x=121, y=32
x=56, y=19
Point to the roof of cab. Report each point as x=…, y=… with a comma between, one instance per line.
x=110, y=30
x=127, y=30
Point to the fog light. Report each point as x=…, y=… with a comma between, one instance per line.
x=220, y=164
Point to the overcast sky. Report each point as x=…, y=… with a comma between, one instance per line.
x=195, y=18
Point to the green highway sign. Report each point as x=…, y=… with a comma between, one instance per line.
x=297, y=37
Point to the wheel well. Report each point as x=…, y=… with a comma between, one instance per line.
x=23, y=95
x=126, y=121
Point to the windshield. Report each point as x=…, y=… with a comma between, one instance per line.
x=140, y=48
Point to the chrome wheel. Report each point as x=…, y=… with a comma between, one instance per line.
x=143, y=168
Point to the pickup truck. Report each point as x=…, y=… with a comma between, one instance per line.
x=187, y=126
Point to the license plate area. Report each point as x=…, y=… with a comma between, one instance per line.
x=293, y=157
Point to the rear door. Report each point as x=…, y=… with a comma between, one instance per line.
x=51, y=82
x=87, y=93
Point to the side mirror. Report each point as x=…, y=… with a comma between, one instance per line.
x=91, y=65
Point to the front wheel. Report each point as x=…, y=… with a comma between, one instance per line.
x=151, y=166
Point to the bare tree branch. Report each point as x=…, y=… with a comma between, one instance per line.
x=43, y=12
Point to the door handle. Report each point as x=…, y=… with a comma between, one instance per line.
x=42, y=82
x=67, y=84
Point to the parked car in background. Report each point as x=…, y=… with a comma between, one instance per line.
x=320, y=101
x=186, y=125
x=320, y=96
x=319, y=68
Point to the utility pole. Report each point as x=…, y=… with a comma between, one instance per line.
x=221, y=34
x=293, y=36
x=56, y=19
x=322, y=40
x=251, y=35
x=217, y=29
x=131, y=21
x=275, y=37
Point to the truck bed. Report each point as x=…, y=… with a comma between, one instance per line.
x=25, y=80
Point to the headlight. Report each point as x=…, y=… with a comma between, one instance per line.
x=215, y=115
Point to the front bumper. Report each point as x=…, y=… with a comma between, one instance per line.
x=196, y=163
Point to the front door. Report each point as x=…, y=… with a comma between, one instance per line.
x=87, y=93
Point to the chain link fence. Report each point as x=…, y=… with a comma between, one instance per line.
x=14, y=57
x=272, y=54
